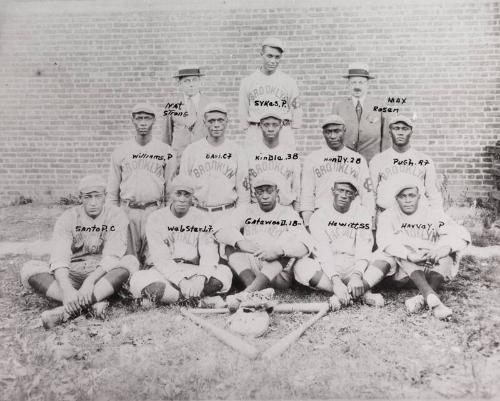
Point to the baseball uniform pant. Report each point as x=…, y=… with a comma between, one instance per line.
x=306, y=268
x=143, y=278
x=400, y=269
x=254, y=135
x=137, y=232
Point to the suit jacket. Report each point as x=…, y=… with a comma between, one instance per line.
x=369, y=136
x=177, y=132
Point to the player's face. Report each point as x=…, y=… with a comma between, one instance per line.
x=93, y=202
x=408, y=200
x=343, y=195
x=400, y=133
x=190, y=86
x=267, y=196
x=270, y=127
x=181, y=201
x=334, y=135
x=358, y=86
x=271, y=57
x=216, y=123
x=143, y=123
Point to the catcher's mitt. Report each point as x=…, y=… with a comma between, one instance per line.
x=248, y=322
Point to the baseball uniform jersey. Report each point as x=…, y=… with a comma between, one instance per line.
x=140, y=173
x=284, y=161
x=320, y=170
x=386, y=167
x=219, y=172
x=346, y=236
x=78, y=236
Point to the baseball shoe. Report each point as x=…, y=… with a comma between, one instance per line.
x=415, y=304
x=369, y=298
x=439, y=310
x=54, y=317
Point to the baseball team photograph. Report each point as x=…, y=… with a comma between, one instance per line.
x=225, y=200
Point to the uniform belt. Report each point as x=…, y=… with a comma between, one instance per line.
x=217, y=208
x=140, y=205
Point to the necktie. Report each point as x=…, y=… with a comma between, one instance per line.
x=192, y=115
x=359, y=110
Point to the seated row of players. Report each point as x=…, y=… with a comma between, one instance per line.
x=232, y=212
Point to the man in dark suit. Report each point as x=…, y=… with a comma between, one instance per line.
x=365, y=127
x=184, y=113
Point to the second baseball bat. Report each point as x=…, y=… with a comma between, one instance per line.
x=285, y=342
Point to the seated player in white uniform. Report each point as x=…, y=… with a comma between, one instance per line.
x=270, y=153
x=272, y=238
x=417, y=245
x=87, y=259
x=184, y=252
x=344, y=241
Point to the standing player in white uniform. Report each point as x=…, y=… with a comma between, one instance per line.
x=323, y=166
x=87, y=262
x=269, y=87
x=344, y=240
x=387, y=167
x=183, y=250
x=217, y=165
x=273, y=237
x=141, y=168
x=272, y=154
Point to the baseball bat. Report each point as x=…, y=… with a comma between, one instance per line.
x=224, y=336
x=307, y=307
x=278, y=348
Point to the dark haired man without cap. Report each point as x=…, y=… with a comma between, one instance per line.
x=141, y=169
x=87, y=262
x=344, y=241
x=418, y=245
x=269, y=87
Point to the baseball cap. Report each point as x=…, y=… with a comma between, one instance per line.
x=266, y=178
x=144, y=108
x=215, y=106
x=183, y=183
x=271, y=113
x=333, y=119
x=399, y=118
x=405, y=181
x=274, y=42
x=346, y=179
x=91, y=183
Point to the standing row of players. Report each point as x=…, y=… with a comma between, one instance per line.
x=234, y=213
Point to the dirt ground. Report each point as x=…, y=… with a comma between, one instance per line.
x=150, y=354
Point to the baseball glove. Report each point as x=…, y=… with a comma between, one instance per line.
x=249, y=322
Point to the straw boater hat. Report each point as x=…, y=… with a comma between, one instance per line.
x=358, y=70
x=188, y=71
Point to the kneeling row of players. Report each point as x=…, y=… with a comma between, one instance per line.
x=260, y=245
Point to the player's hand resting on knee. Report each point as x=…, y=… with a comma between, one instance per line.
x=192, y=287
x=269, y=252
x=417, y=257
x=341, y=291
x=247, y=246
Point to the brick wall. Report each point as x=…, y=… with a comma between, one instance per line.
x=70, y=71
